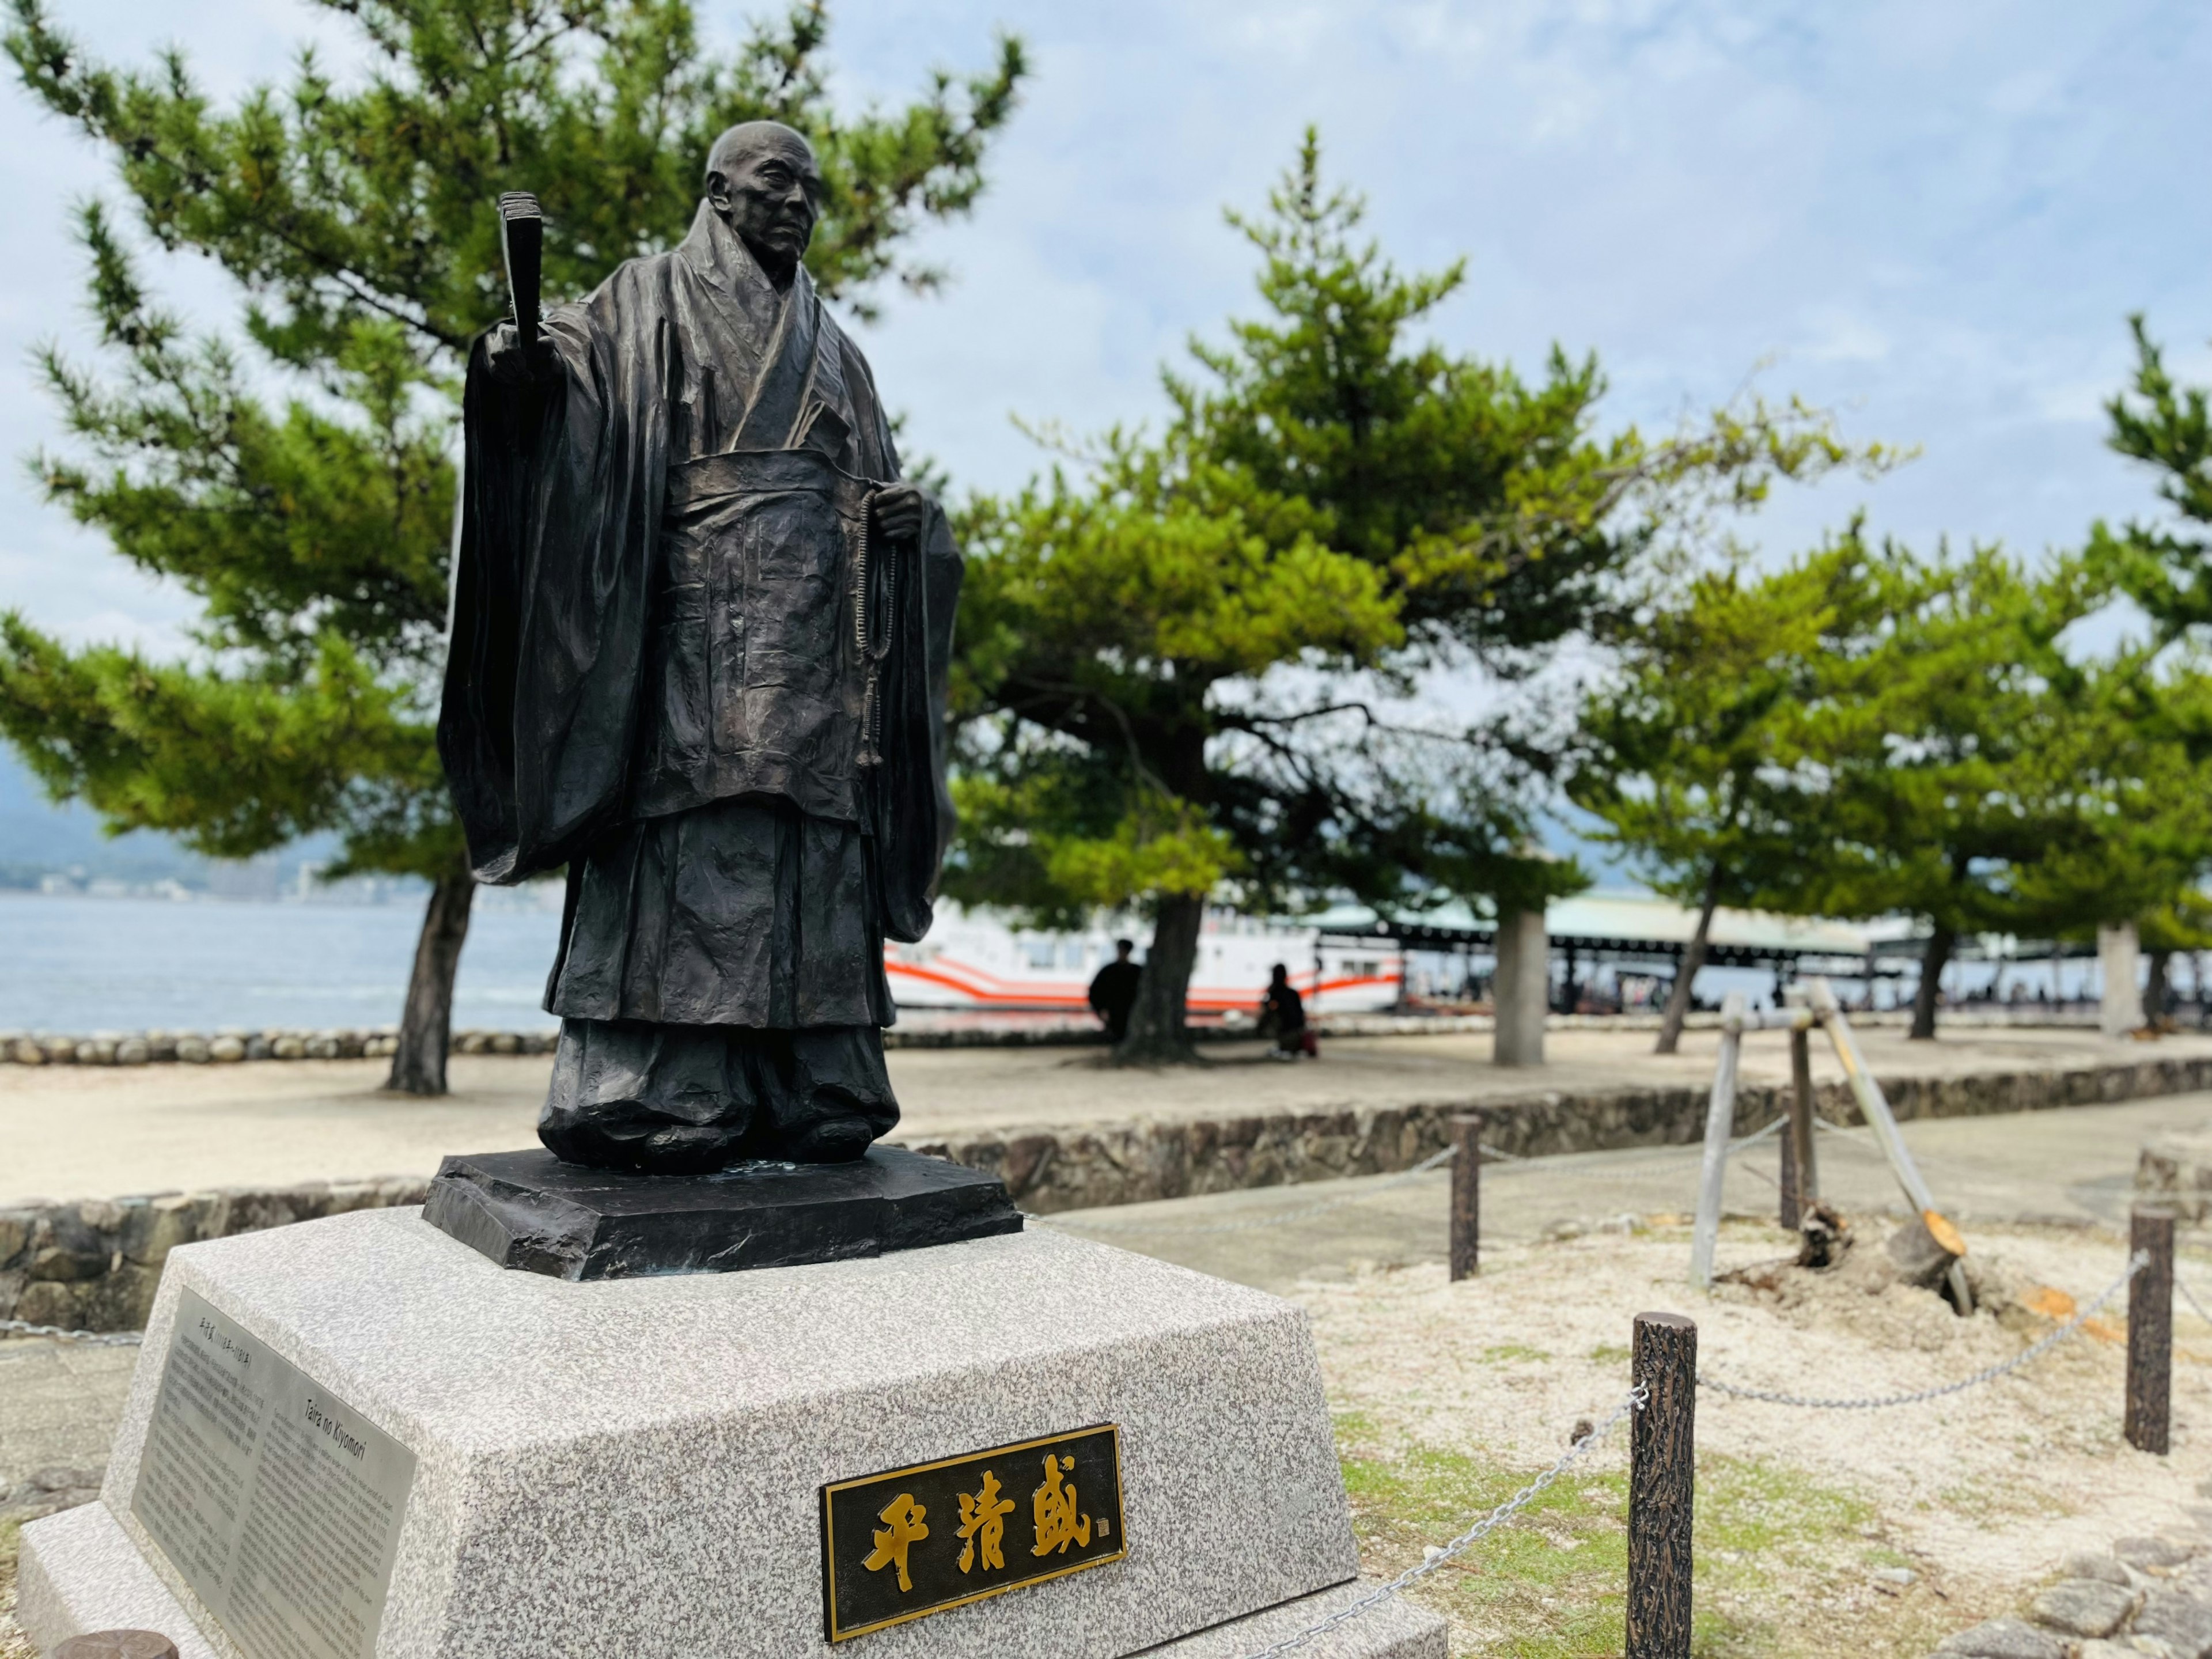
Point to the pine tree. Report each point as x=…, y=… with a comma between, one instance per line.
x=1690, y=752
x=297, y=478
x=1958, y=765
x=1180, y=653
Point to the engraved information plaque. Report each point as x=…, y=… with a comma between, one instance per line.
x=277, y=1503
x=917, y=1541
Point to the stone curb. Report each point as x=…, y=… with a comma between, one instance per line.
x=234, y=1044
x=1083, y=1167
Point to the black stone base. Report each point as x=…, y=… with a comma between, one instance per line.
x=531, y=1211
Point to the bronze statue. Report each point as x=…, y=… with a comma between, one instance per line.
x=700, y=641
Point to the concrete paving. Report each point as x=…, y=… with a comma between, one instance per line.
x=2075, y=1166
x=86, y=1131
x=58, y=1403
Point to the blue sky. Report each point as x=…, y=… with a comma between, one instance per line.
x=1933, y=219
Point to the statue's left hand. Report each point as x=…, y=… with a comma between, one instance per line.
x=902, y=510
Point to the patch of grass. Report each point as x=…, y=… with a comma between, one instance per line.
x=14, y=1644
x=1548, y=1585
x=1776, y=1553
x=1753, y=1508
x=1607, y=1353
x=1990, y=1500
x=1351, y=1425
x=1508, y=1352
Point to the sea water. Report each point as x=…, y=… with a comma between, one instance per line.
x=77, y=964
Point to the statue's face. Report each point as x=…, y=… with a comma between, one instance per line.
x=769, y=190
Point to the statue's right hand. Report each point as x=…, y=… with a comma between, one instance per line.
x=512, y=366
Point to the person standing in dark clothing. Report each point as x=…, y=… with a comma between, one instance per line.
x=1285, y=1010
x=1114, y=992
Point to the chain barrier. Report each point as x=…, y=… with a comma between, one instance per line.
x=1306, y=1212
x=1848, y=1132
x=1654, y=1171
x=1434, y=1559
x=1650, y=1171
x=1303, y=1214
x=92, y=1338
x=2136, y=1263
x=2190, y=1297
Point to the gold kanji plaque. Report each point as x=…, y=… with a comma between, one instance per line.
x=909, y=1542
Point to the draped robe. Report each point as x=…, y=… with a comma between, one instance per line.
x=686, y=664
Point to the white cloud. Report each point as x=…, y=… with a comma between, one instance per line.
x=1932, y=217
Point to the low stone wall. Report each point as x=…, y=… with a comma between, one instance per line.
x=237, y=1044
x=92, y=1266
x=1056, y=1169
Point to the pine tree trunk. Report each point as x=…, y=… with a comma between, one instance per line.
x=418, y=1065
x=1693, y=957
x=1157, y=1034
x=2158, y=993
x=1940, y=945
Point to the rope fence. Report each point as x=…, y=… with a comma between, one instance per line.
x=2190, y=1297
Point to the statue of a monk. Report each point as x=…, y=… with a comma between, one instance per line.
x=700, y=641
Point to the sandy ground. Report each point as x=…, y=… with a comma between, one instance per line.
x=78, y=1132
x=1979, y=1494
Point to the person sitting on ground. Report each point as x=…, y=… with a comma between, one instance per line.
x=1284, y=1011
x=1114, y=992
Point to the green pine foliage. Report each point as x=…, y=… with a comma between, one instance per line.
x=1689, y=751
x=296, y=475
x=1978, y=778
x=1184, y=653
x=2164, y=566
x=1945, y=741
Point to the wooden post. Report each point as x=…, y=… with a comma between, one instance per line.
x=1875, y=1109
x=1466, y=1195
x=2150, y=1330
x=1720, y=1124
x=1801, y=1177
x=1661, y=1484
x=1789, y=1183
x=117, y=1644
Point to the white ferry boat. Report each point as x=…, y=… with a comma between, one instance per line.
x=972, y=961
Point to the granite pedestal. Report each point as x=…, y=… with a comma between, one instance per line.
x=634, y=1466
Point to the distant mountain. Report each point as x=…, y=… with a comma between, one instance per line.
x=39, y=839
x=37, y=836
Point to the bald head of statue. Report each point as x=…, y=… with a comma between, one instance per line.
x=763, y=179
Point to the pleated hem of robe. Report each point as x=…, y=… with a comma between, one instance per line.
x=742, y=913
